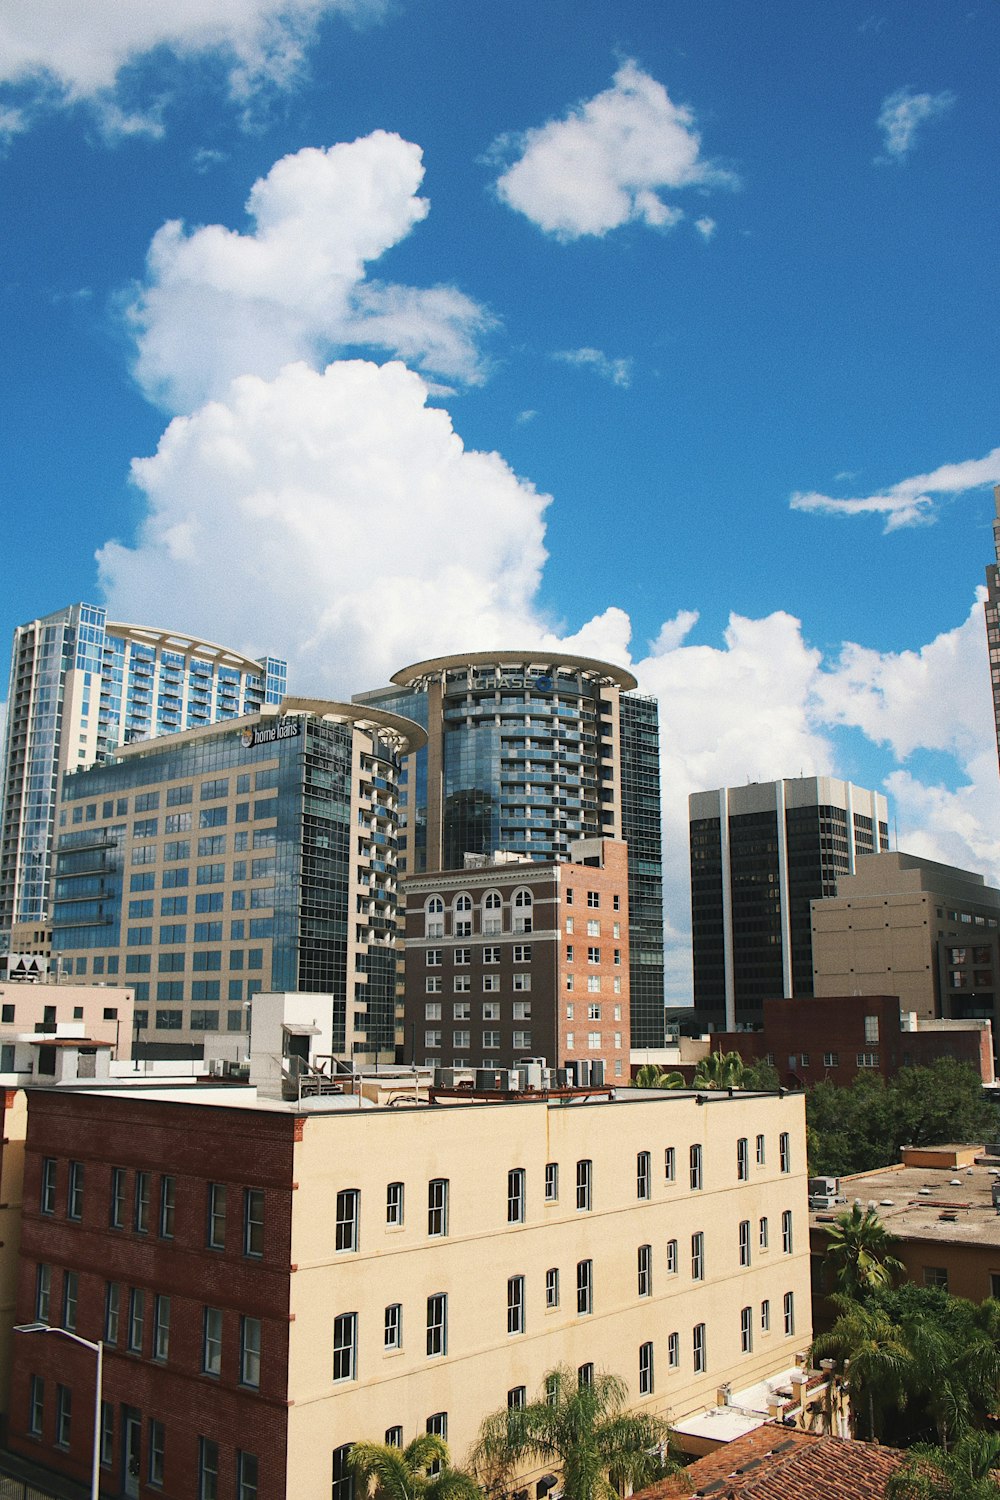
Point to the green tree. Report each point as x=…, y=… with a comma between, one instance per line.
x=966, y=1473
x=880, y=1367
x=859, y=1252
x=761, y=1076
x=649, y=1076
x=584, y=1430
x=390, y=1473
x=719, y=1070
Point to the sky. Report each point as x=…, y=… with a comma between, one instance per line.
x=362, y=331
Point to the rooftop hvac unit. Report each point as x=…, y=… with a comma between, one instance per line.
x=510, y=1080
x=531, y=1071
x=830, y=1186
x=597, y=1071
x=487, y=1078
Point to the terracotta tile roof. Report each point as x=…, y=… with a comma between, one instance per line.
x=777, y=1463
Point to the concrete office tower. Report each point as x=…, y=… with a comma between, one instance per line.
x=759, y=855
x=528, y=752
x=993, y=615
x=908, y=926
x=202, y=867
x=79, y=687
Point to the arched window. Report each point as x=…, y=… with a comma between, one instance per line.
x=462, y=921
x=522, y=898
x=493, y=901
x=522, y=910
x=434, y=917
x=463, y=902
x=492, y=913
x=435, y=904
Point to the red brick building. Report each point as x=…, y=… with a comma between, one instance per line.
x=837, y=1037
x=519, y=959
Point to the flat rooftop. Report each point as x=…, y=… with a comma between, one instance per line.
x=947, y=1205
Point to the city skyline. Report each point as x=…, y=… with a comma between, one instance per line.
x=670, y=342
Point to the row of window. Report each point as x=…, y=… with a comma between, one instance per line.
x=136, y=1210
x=208, y=1471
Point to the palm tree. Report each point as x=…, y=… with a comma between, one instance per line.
x=420, y=1471
x=859, y=1252
x=719, y=1070
x=966, y=1473
x=650, y=1077
x=874, y=1356
x=585, y=1430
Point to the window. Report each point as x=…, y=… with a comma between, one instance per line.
x=211, y=1342
x=593, y=955
x=491, y=955
x=762, y=1236
x=761, y=1153
x=433, y=984
x=107, y=1434
x=157, y=1438
x=348, y=1210
x=593, y=927
x=433, y=959
x=744, y=1242
x=112, y=1309
x=700, y=1348
x=253, y=1222
x=786, y=1231
x=742, y=1159
x=43, y=1292
x=393, y=1336
x=461, y=1010
x=674, y=1350
x=746, y=1330
x=394, y=1437
x=394, y=1205
x=437, y=1206
x=437, y=1324
x=585, y=1286
x=585, y=1375
x=75, y=1191
x=345, y=1347
x=515, y=1304
x=698, y=1257
x=785, y=1151
x=167, y=1196
x=670, y=1164
x=551, y=1389
x=462, y=984
x=515, y=1196
x=645, y=1369
x=522, y=955
x=936, y=1276
x=208, y=1469
x=491, y=984
x=672, y=1258
x=552, y=1182
x=161, y=1327
x=141, y=1203
x=643, y=1175
x=552, y=1287
x=216, y=1215
x=48, y=1195
x=831, y=1059
x=36, y=1406
x=593, y=899
x=871, y=1028
x=71, y=1293
x=584, y=1182
x=136, y=1319
x=645, y=1271
x=64, y=1413
x=517, y=1397
x=867, y=1059
x=695, y=1159
x=522, y=982
x=789, y=1312
x=765, y=1316
x=343, y=1479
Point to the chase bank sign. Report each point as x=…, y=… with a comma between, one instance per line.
x=267, y=734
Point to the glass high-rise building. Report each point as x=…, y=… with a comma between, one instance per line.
x=992, y=608
x=527, y=753
x=80, y=686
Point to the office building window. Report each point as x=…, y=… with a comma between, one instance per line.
x=517, y=1398
x=142, y=1196
x=765, y=1316
x=216, y=1216
x=584, y=1183
x=247, y=1476
x=250, y=1330
x=761, y=1153
x=136, y=1319
x=64, y=1415
x=167, y=1200
x=161, y=1327
x=762, y=1236
x=515, y=1196
x=112, y=1311
x=672, y=1259
x=515, y=1304
x=746, y=1329
x=643, y=1175
x=786, y=1231
x=71, y=1293
x=36, y=1406
x=211, y=1343
x=348, y=1212
x=698, y=1257
x=742, y=1159
x=585, y=1375
x=393, y=1336
x=345, y=1347
x=394, y=1205
x=437, y=1206
x=394, y=1437
x=645, y=1271
x=670, y=1164
x=157, y=1440
x=208, y=1469
x=107, y=1434
x=789, y=1312
x=784, y=1151
x=694, y=1167
x=585, y=1286
x=674, y=1350
x=43, y=1292
x=74, y=1194
x=700, y=1348
x=48, y=1195
x=552, y=1287
x=744, y=1242
x=552, y=1182
x=253, y=1222
x=437, y=1324
x=646, y=1369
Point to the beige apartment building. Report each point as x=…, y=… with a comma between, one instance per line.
x=902, y=925
x=337, y=1271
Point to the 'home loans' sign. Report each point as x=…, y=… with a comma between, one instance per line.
x=266, y=734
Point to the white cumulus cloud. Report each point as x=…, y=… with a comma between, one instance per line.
x=901, y=116
x=618, y=371
x=217, y=303
x=911, y=502
x=57, y=52
x=608, y=161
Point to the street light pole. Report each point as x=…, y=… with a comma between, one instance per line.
x=98, y=1349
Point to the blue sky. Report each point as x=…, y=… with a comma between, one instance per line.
x=358, y=332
